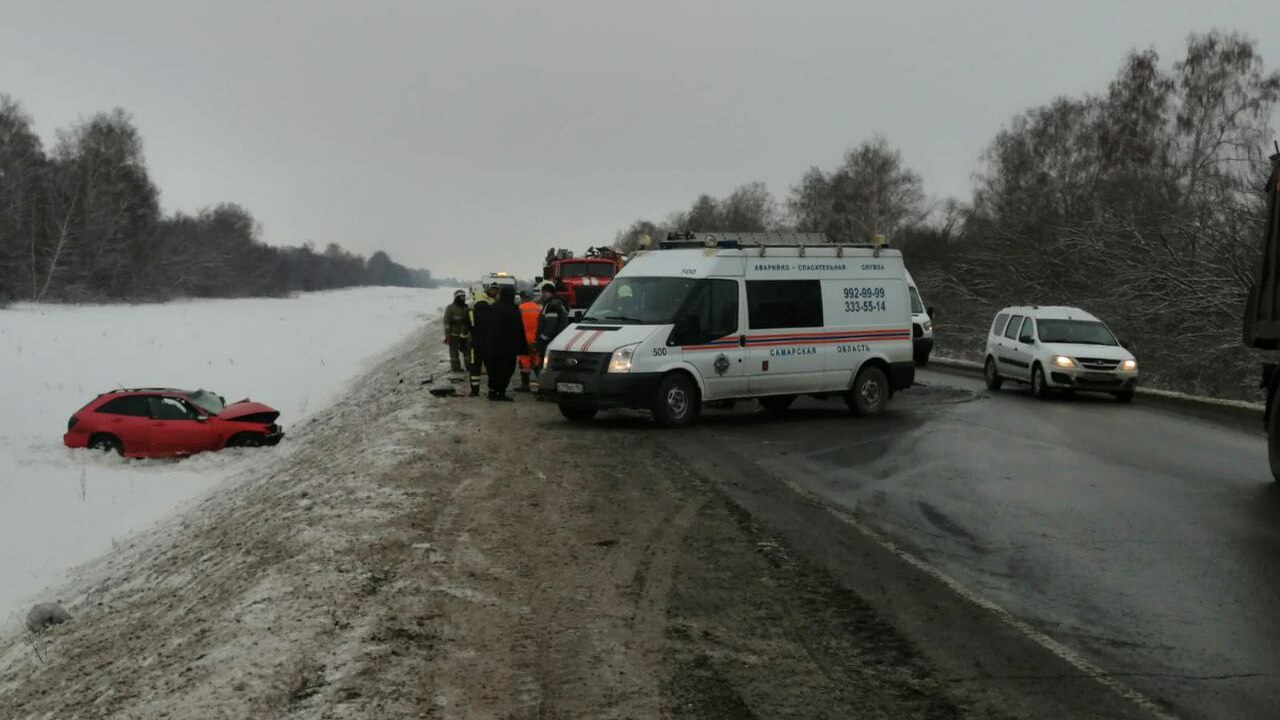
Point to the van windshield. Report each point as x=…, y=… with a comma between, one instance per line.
x=641, y=300
x=1080, y=332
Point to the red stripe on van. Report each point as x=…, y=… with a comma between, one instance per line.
x=780, y=336
x=576, y=337
x=587, y=346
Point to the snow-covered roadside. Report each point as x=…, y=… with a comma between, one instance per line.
x=59, y=508
x=249, y=573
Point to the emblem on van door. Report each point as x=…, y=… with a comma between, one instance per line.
x=722, y=364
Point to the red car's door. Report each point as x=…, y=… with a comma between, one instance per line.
x=134, y=433
x=175, y=429
x=129, y=419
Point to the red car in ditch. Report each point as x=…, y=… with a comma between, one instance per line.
x=161, y=422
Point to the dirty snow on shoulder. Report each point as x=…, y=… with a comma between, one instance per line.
x=62, y=507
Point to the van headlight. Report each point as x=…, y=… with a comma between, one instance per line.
x=1063, y=361
x=620, y=361
x=1129, y=366
x=928, y=325
x=546, y=359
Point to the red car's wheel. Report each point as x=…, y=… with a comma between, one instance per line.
x=105, y=442
x=246, y=440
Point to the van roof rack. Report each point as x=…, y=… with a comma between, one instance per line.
x=754, y=239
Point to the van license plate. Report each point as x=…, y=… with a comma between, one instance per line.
x=569, y=388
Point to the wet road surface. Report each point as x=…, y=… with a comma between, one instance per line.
x=1144, y=540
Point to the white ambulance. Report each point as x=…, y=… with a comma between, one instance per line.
x=715, y=317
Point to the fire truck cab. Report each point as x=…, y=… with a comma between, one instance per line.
x=579, y=280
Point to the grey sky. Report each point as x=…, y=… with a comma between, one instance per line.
x=470, y=136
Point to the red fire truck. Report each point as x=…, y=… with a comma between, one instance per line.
x=580, y=279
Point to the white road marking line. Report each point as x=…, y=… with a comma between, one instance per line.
x=1057, y=649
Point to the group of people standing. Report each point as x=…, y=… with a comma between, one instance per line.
x=493, y=334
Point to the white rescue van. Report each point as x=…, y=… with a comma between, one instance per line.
x=717, y=317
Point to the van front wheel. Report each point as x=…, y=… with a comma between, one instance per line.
x=870, y=393
x=676, y=403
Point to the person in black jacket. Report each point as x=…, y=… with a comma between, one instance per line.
x=505, y=343
x=553, y=319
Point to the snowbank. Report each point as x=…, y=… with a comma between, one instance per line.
x=58, y=507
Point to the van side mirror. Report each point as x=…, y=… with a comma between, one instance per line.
x=1028, y=340
x=933, y=314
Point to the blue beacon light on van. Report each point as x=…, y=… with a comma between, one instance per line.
x=708, y=240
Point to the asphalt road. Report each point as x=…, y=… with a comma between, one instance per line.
x=1143, y=540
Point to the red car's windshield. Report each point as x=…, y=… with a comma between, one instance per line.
x=207, y=401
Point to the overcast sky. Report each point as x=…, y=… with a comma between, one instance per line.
x=470, y=136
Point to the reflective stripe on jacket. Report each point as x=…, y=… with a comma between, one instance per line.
x=457, y=320
x=553, y=319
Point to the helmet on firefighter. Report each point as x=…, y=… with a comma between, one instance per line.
x=547, y=286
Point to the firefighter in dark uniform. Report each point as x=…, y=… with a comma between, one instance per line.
x=480, y=312
x=553, y=319
x=457, y=331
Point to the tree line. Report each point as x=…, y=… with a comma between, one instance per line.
x=1143, y=203
x=81, y=221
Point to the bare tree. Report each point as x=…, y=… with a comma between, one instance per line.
x=107, y=207
x=22, y=167
x=629, y=240
x=871, y=193
x=1225, y=98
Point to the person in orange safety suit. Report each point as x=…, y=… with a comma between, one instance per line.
x=529, y=311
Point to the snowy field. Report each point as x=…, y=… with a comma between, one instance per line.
x=59, y=507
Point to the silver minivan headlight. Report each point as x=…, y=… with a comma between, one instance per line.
x=1129, y=365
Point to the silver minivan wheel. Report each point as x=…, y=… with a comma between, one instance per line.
x=992, y=375
x=1039, y=387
